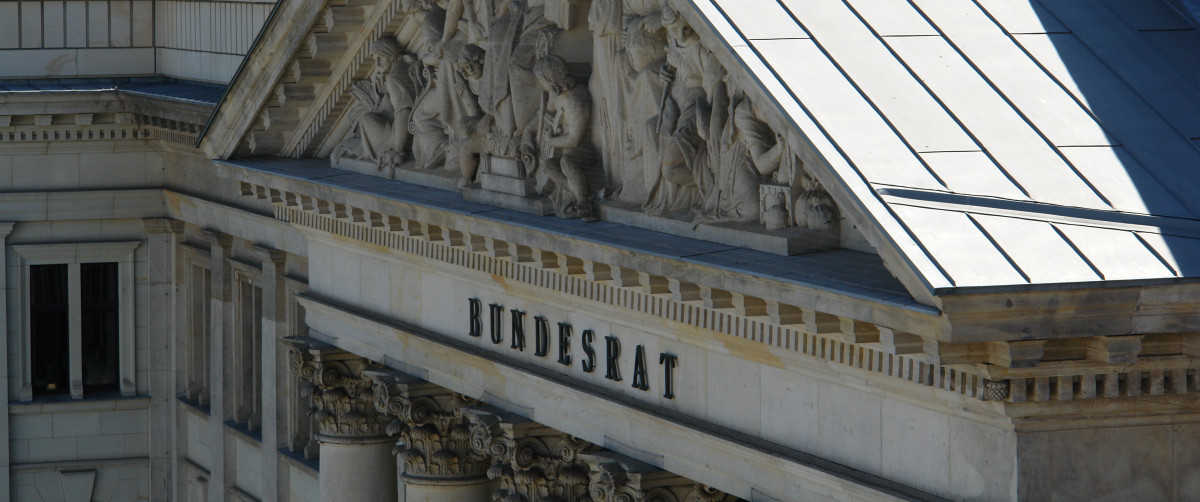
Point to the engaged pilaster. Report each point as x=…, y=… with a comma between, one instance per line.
x=356, y=455
x=436, y=459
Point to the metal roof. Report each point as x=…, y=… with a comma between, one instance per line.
x=1019, y=143
x=166, y=88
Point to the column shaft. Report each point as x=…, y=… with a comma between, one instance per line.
x=357, y=471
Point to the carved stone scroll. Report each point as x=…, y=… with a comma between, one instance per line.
x=617, y=478
x=531, y=463
x=342, y=404
x=434, y=437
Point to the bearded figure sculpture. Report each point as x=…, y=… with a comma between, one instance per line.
x=380, y=112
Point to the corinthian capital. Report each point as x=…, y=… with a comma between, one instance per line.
x=340, y=395
x=434, y=438
x=616, y=478
x=530, y=461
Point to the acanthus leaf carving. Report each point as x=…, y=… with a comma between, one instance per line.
x=433, y=437
x=340, y=397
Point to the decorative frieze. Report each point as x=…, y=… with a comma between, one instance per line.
x=434, y=437
x=343, y=404
x=627, y=117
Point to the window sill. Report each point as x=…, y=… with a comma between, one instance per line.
x=242, y=430
x=297, y=460
x=98, y=402
x=195, y=406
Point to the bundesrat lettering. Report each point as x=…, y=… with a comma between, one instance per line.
x=541, y=345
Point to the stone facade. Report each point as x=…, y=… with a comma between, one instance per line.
x=589, y=251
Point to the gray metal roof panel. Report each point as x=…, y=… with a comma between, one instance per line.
x=1118, y=254
x=766, y=19
x=1020, y=150
x=972, y=173
x=868, y=140
x=1124, y=182
x=1045, y=105
x=1028, y=242
x=880, y=77
x=1182, y=254
x=1135, y=60
x=1181, y=48
x=891, y=18
x=1022, y=16
x=958, y=245
x=1143, y=15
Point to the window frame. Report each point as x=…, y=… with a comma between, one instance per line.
x=73, y=255
x=197, y=338
x=246, y=357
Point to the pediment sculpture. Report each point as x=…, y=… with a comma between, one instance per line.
x=575, y=108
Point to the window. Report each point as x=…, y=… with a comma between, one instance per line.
x=247, y=346
x=76, y=319
x=197, y=350
x=48, y=312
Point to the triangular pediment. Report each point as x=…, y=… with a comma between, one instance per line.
x=680, y=136
x=968, y=148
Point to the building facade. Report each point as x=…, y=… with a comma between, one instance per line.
x=605, y=250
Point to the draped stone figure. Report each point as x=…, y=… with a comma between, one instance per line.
x=382, y=106
x=731, y=194
x=522, y=107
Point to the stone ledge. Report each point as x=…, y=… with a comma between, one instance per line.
x=106, y=403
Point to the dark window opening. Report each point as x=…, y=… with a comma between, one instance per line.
x=49, y=328
x=100, y=329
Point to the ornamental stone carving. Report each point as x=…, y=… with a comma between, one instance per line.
x=531, y=463
x=341, y=397
x=434, y=437
x=617, y=478
x=517, y=104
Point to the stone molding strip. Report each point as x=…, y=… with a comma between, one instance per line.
x=846, y=342
x=788, y=327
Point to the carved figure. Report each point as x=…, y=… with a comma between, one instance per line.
x=815, y=209
x=675, y=174
x=469, y=135
x=435, y=108
x=382, y=106
x=564, y=159
x=732, y=192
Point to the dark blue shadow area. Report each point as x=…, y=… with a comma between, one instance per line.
x=1135, y=66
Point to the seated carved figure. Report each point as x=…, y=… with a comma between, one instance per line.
x=381, y=110
x=564, y=159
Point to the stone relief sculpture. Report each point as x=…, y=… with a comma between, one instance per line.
x=382, y=107
x=518, y=110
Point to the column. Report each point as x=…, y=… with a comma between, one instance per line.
x=436, y=462
x=273, y=311
x=220, y=326
x=5, y=488
x=534, y=463
x=357, y=463
x=160, y=256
